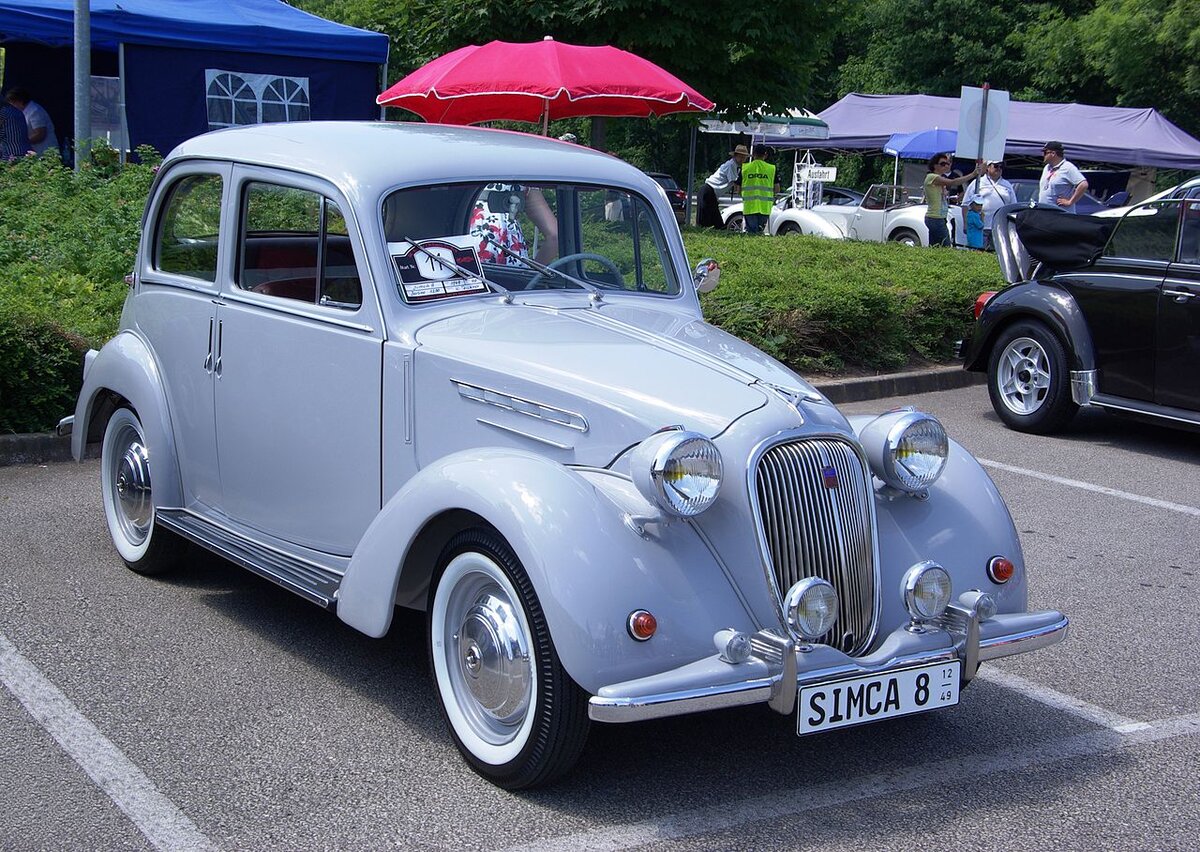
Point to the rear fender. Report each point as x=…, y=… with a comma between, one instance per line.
x=1045, y=302
x=126, y=367
x=589, y=566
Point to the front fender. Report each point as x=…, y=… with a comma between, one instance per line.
x=126, y=366
x=1045, y=302
x=589, y=567
x=962, y=524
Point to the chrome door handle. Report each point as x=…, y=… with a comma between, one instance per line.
x=208, y=359
x=220, y=341
x=1180, y=295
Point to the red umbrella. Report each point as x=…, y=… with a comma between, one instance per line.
x=540, y=81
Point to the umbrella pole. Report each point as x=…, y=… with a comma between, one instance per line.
x=546, y=119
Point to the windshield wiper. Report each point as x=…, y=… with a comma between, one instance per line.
x=541, y=267
x=461, y=270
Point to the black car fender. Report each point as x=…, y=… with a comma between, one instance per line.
x=1032, y=300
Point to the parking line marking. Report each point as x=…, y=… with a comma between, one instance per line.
x=156, y=816
x=1060, y=701
x=727, y=815
x=1098, y=489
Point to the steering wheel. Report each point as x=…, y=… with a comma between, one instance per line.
x=540, y=278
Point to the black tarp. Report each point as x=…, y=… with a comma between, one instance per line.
x=1062, y=240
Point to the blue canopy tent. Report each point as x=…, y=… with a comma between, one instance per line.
x=920, y=144
x=183, y=67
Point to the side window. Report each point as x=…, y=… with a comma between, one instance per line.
x=618, y=227
x=294, y=244
x=188, y=227
x=1146, y=232
x=1189, y=232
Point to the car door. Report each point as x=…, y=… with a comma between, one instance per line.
x=1178, y=353
x=872, y=215
x=298, y=372
x=176, y=311
x=1119, y=297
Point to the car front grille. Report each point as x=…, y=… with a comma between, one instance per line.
x=814, y=507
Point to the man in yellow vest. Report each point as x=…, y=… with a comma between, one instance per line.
x=758, y=191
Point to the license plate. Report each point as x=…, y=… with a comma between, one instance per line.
x=841, y=703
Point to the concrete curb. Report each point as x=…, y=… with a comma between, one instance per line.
x=43, y=447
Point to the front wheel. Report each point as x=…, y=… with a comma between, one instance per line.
x=128, y=498
x=514, y=713
x=789, y=229
x=904, y=236
x=1028, y=380
x=736, y=222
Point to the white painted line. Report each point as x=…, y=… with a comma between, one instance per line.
x=769, y=807
x=1059, y=701
x=1098, y=489
x=163, y=824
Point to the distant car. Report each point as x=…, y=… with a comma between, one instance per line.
x=786, y=218
x=1188, y=189
x=675, y=195
x=1101, y=312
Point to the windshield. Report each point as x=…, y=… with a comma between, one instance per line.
x=451, y=240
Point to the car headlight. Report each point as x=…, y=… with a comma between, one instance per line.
x=679, y=471
x=811, y=607
x=926, y=591
x=907, y=449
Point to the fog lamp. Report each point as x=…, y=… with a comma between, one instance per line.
x=811, y=607
x=926, y=591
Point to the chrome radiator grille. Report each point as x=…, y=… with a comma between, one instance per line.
x=814, y=507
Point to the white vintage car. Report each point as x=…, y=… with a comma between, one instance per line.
x=885, y=214
x=390, y=365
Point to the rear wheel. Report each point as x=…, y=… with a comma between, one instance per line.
x=736, y=222
x=514, y=713
x=128, y=498
x=1028, y=379
x=905, y=236
x=789, y=229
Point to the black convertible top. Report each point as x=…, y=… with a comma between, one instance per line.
x=1062, y=240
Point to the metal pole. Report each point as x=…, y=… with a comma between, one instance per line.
x=83, y=81
x=982, y=121
x=687, y=207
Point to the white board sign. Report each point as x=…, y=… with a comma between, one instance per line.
x=824, y=174
x=972, y=118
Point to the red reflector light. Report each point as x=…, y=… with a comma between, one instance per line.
x=642, y=625
x=1000, y=569
x=983, y=299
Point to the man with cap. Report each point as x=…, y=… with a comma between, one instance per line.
x=729, y=175
x=1062, y=184
x=992, y=191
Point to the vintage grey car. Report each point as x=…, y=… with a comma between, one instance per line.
x=465, y=371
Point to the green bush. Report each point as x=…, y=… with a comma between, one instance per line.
x=68, y=239
x=830, y=305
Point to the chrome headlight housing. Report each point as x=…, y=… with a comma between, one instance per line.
x=906, y=449
x=679, y=471
x=811, y=607
x=927, y=589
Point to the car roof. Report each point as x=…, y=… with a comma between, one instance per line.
x=369, y=157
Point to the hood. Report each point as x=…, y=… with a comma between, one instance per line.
x=585, y=382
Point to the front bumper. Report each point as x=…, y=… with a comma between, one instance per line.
x=777, y=667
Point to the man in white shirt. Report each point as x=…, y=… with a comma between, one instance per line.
x=708, y=213
x=1062, y=184
x=41, y=128
x=992, y=191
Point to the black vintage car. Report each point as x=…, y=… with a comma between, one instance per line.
x=1100, y=311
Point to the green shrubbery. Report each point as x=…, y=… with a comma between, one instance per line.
x=67, y=240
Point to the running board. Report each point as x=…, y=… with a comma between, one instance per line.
x=1146, y=409
x=306, y=579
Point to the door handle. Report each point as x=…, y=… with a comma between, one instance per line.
x=1180, y=295
x=220, y=341
x=208, y=359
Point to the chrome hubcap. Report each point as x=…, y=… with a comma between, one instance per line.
x=490, y=666
x=131, y=486
x=1023, y=376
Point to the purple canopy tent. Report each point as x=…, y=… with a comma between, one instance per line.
x=1140, y=137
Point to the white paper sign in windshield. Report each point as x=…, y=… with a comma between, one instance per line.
x=438, y=268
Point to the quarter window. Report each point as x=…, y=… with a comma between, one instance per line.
x=1146, y=233
x=295, y=244
x=188, y=228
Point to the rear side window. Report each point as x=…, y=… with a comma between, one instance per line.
x=188, y=228
x=294, y=244
x=1146, y=233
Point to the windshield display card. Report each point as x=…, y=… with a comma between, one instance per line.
x=438, y=268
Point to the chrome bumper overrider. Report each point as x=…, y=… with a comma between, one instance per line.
x=777, y=668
